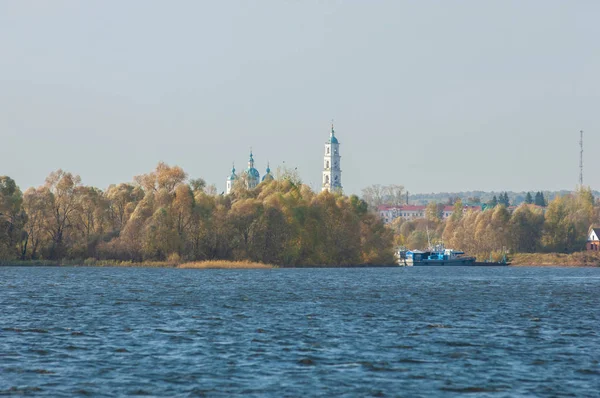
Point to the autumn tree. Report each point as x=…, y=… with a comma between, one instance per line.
x=62, y=201
x=244, y=217
x=433, y=211
x=374, y=195
x=393, y=194
x=89, y=220
x=122, y=200
x=35, y=202
x=161, y=217
x=163, y=177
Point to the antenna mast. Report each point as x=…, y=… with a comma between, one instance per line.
x=581, y=158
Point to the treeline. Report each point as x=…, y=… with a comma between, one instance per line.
x=561, y=227
x=164, y=216
x=515, y=198
x=395, y=195
x=504, y=200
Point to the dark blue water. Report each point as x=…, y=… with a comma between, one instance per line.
x=493, y=332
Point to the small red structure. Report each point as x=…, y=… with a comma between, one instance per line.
x=593, y=242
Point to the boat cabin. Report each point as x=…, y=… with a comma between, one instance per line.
x=439, y=255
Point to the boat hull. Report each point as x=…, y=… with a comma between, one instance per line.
x=444, y=263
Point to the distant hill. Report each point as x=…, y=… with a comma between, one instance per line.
x=516, y=198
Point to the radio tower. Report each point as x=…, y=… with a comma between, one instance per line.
x=581, y=158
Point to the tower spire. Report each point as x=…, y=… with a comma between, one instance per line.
x=251, y=159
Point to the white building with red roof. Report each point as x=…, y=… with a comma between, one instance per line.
x=413, y=212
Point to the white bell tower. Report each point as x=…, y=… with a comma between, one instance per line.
x=231, y=180
x=332, y=174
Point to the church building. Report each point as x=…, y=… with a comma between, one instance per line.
x=251, y=176
x=332, y=173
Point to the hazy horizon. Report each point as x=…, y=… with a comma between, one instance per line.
x=436, y=96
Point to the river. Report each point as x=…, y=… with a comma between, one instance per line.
x=431, y=331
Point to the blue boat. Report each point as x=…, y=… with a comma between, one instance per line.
x=435, y=256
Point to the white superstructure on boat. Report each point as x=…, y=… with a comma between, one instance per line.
x=438, y=255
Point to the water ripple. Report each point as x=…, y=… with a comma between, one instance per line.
x=329, y=332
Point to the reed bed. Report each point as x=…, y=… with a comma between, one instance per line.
x=223, y=264
x=116, y=263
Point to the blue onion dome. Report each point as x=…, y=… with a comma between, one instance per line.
x=233, y=176
x=251, y=171
x=268, y=176
x=332, y=139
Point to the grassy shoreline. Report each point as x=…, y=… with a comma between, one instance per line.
x=223, y=264
x=579, y=259
x=208, y=264
x=86, y=263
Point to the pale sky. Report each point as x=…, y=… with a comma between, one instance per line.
x=433, y=95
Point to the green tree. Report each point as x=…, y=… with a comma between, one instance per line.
x=504, y=200
x=160, y=238
x=457, y=210
x=568, y=219
x=539, y=199
x=418, y=240
x=528, y=198
x=13, y=238
x=243, y=217
x=526, y=229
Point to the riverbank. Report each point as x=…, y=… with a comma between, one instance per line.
x=209, y=264
x=579, y=259
x=222, y=264
x=86, y=263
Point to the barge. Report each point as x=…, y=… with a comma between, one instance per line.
x=437, y=256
